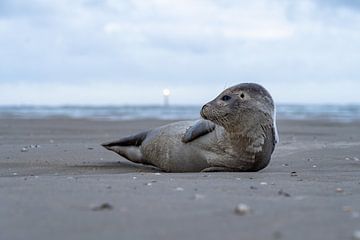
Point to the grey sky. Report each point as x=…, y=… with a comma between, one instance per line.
x=124, y=52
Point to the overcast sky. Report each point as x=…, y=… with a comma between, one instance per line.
x=126, y=52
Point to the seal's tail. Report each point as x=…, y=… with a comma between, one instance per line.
x=128, y=147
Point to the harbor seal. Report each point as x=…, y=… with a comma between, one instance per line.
x=237, y=132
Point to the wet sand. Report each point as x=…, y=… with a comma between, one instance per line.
x=54, y=178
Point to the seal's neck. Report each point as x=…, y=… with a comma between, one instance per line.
x=249, y=136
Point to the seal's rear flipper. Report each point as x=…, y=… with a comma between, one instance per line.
x=200, y=128
x=128, y=147
x=134, y=140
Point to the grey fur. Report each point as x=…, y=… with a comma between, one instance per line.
x=238, y=133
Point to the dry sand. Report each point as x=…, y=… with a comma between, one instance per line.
x=69, y=187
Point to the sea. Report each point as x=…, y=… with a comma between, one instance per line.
x=172, y=112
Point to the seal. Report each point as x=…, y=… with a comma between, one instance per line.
x=237, y=132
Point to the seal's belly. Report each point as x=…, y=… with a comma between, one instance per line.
x=163, y=148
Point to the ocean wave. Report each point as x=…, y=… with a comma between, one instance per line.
x=284, y=111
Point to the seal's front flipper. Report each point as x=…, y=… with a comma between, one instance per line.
x=128, y=147
x=200, y=128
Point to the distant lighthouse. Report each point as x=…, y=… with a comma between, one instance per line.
x=166, y=94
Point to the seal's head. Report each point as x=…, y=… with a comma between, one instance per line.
x=241, y=105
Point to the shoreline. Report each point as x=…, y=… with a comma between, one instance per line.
x=337, y=112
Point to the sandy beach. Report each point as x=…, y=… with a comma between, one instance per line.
x=57, y=182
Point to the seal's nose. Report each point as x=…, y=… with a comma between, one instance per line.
x=202, y=112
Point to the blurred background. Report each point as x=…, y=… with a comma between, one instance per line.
x=130, y=58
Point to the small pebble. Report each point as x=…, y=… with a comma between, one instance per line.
x=253, y=188
x=148, y=184
x=263, y=183
x=356, y=159
x=134, y=178
x=282, y=193
x=314, y=166
x=24, y=149
x=103, y=206
x=157, y=174
x=14, y=174
x=339, y=190
x=179, y=189
x=238, y=178
x=356, y=235
x=242, y=209
x=34, y=146
x=285, y=165
x=293, y=174
x=90, y=148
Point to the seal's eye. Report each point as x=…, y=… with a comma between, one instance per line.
x=226, y=98
x=242, y=95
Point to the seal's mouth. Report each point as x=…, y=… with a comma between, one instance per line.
x=214, y=116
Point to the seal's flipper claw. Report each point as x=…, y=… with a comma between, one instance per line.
x=200, y=128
